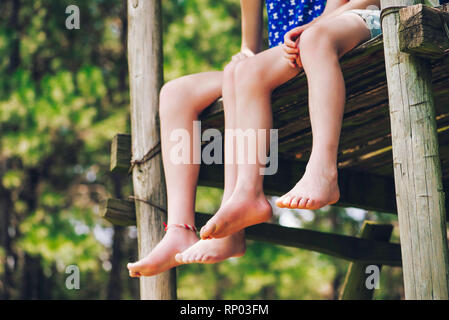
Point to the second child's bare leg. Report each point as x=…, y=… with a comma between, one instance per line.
x=255, y=78
x=321, y=46
x=181, y=101
x=214, y=250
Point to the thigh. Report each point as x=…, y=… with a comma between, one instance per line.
x=346, y=31
x=268, y=68
x=200, y=89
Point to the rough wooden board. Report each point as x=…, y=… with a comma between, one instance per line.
x=119, y=212
x=421, y=31
x=367, y=94
x=120, y=153
x=359, y=187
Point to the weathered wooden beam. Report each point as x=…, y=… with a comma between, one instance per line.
x=146, y=78
x=119, y=212
x=120, y=153
x=340, y=246
x=417, y=168
x=354, y=287
x=424, y=31
x=358, y=189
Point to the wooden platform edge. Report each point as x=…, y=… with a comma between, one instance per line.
x=357, y=189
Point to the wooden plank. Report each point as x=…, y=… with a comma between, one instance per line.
x=354, y=287
x=422, y=31
x=417, y=169
x=357, y=189
x=145, y=74
x=119, y=212
x=120, y=153
x=341, y=246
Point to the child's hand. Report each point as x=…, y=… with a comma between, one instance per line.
x=292, y=55
x=291, y=46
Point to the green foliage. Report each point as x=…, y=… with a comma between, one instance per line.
x=199, y=35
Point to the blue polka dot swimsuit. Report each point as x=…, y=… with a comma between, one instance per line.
x=284, y=15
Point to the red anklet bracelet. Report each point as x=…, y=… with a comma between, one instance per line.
x=185, y=226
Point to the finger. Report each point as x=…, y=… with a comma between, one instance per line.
x=299, y=62
x=291, y=57
x=290, y=49
x=291, y=37
x=288, y=42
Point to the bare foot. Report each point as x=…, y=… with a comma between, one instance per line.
x=162, y=257
x=317, y=188
x=243, y=209
x=214, y=250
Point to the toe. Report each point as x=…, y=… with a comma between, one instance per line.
x=178, y=258
x=294, y=203
x=279, y=202
x=310, y=203
x=207, y=230
x=134, y=274
x=197, y=257
x=132, y=267
x=287, y=201
x=302, y=203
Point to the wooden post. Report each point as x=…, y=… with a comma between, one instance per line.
x=417, y=168
x=354, y=287
x=145, y=77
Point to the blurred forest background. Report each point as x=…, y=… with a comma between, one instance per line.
x=63, y=96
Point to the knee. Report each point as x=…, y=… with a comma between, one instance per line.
x=249, y=74
x=314, y=40
x=228, y=72
x=172, y=97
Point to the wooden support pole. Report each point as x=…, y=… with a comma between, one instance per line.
x=354, y=287
x=417, y=168
x=145, y=77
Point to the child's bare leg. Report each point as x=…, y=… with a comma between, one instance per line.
x=255, y=78
x=181, y=101
x=215, y=250
x=321, y=46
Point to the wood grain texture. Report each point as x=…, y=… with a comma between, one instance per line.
x=366, y=126
x=146, y=77
x=421, y=31
x=358, y=189
x=417, y=170
x=120, y=153
x=119, y=212
x=354, y=287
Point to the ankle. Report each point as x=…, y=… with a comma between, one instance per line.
x=249, y=190
x=326, y=169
